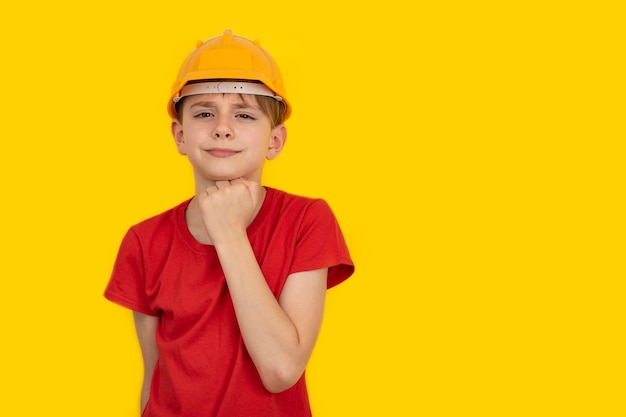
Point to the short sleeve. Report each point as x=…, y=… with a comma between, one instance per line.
x=321, y=244
x=126, y=286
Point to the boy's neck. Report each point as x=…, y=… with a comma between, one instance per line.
x=195, y=225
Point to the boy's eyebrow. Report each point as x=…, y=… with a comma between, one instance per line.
x=208, y=103
x=203, y=104
x=245, y=105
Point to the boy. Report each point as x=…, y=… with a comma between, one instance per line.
x=227, y=289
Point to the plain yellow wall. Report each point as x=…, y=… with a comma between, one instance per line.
x=472, y=151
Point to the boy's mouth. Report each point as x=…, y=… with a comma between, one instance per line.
x=222, y=152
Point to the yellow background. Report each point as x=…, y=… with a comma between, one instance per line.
x=472, y=151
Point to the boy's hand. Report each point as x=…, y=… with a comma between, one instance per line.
x=228, y=208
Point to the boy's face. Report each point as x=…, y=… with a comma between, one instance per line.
x=226, y=136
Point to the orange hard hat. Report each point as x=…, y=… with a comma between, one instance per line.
x=229, y=57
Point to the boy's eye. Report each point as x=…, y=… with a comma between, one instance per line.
x=203, y=114
x=245, y=116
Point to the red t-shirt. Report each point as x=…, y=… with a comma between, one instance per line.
x=203, y=367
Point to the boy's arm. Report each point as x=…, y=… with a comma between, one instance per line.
x=279, y=334
x=146, y=326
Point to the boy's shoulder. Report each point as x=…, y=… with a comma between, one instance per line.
x=286, y=207
x=164, y=218
x=285, y=199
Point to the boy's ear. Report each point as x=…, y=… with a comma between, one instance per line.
x=179, y=137
x=277, y=141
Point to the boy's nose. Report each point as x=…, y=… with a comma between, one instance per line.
x=222, y=130
x=218, y=135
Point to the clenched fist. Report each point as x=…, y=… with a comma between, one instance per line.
x=228, y=208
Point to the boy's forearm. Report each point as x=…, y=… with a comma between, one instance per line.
x=270, y=336
x=146, y=334
x=145, y=394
